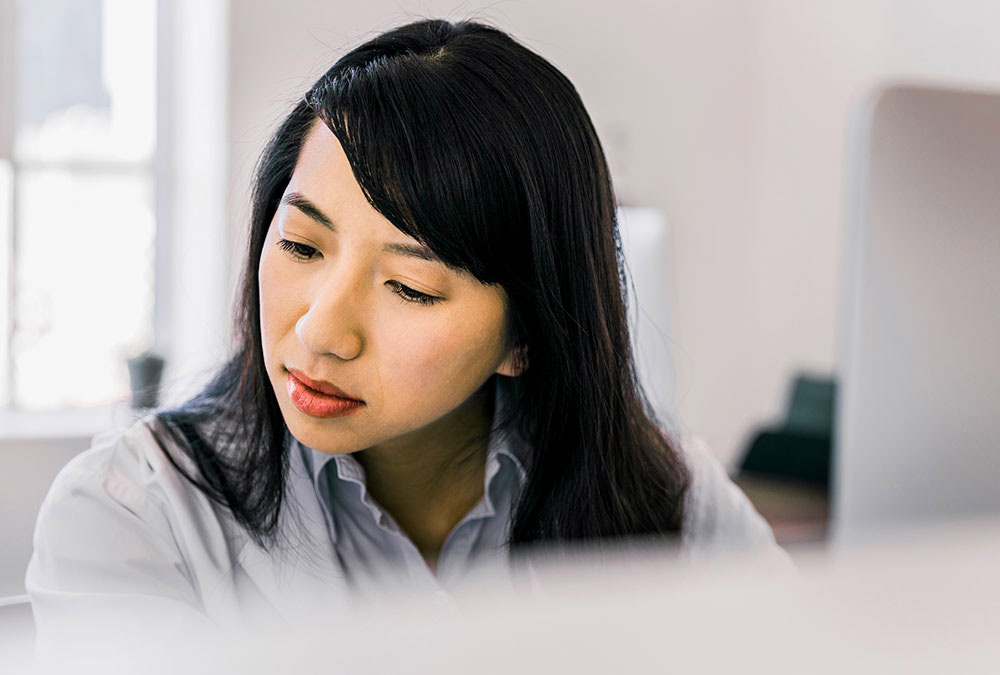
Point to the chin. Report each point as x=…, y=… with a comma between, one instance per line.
x=312, y=435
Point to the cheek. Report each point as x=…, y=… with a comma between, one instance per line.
x=446, y=359
x=276, y=306
x=266, y=284
x=414, y=356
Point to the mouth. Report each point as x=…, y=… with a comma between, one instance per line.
x=316, y=403
x=322, y=386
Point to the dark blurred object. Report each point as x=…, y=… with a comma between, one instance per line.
x=786, y=470
x=799, y=449
x=144, y=373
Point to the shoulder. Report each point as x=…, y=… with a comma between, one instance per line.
x=719, y=517
x=116, y=515
x=125, y=467
x=126, y=550
x=115, y=468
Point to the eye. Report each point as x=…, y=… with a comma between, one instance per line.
x=297, y=250
x=409, y=295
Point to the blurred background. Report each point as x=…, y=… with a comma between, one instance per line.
x=129, y=130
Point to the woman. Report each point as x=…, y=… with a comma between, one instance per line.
x=433, y=244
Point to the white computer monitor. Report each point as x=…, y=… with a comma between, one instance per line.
x=645, y=239
x=918, y=407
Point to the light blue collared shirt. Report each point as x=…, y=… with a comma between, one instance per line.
x=124, y=534
x=376, y=553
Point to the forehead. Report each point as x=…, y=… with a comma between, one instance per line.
x=323, y=188
x=323, y=173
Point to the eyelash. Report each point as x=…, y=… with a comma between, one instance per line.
x=300, y=251
x=405, y=293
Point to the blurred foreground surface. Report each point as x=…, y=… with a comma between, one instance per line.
x=921, y=600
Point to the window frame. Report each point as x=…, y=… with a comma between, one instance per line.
x=16, y=423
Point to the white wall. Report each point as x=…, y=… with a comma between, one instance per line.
x=193, y=300
x=730, y=116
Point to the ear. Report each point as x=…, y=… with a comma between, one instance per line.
x=515, y=363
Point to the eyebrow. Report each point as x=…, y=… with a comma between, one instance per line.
x=302, y=203
x=299, y=201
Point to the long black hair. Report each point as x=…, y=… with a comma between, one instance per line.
x=481, y=149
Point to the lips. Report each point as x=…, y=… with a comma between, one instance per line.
x=316, y=404
x=322, y=386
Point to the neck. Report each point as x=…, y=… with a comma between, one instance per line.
x=428, y=480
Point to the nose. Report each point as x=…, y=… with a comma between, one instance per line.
x=332, y=324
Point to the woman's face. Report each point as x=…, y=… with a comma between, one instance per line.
x=347, y=298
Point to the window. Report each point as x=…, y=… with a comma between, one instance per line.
x=77, y=199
